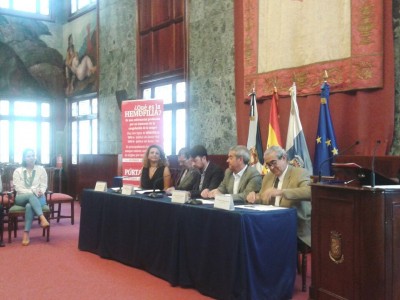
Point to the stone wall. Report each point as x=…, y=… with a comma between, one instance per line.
x=118, y=71
x=396, y=34
x=212, y=109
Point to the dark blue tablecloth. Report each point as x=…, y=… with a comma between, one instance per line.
x=241, y=254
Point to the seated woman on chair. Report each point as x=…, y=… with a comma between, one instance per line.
x=30, y=183
x=155, y=172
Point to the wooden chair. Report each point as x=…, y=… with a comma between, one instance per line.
x=5, y=203
x=17, y=212
x=302, y=251
x=54, y=196
x=7, y=198
x=14, y=213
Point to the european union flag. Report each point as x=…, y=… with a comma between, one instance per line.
x=325, y=143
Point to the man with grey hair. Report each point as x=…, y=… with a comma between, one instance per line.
x=239, y=178
x=287, y=186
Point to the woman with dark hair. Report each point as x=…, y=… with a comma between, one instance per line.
x=30, y=183
x=155, y=172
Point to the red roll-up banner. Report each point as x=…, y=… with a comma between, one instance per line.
x=142, y=126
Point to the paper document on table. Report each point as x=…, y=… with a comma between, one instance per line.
x=260, y=207
x=146, y=191
x=205, y=201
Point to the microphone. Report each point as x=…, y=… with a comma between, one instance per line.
x=154, y=194
x=330, y=157
x=377, y=143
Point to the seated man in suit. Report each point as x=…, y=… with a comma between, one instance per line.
x=211, y=174
x=239, y=179
x=189, y=177
x=286, y=186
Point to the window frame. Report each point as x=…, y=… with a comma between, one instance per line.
x=24, y=14
x=38, y=119
x=88, y=117
x=79, y=12
x=173, y=106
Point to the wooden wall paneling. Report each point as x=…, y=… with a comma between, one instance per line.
x=179, y=49
x=144, y=15
x=161, y=11
x=163, y=50
x=394, y=268
x=97, y=167
x=179, y=8
x=146, y=49
x=161, y=38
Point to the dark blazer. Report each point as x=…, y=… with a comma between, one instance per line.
x=249, y=182
x=212, y=179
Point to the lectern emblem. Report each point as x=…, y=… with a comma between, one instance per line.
x=335, y=252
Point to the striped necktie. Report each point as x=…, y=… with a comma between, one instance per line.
x=272, y=201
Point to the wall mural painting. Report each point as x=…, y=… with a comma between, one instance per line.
x=28, y=66
x=81, y=65
x=31, y=68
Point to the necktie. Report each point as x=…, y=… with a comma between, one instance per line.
x=275, y=186
x=183, y=174
x=201, y=181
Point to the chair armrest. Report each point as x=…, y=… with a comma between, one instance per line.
x=48, y=194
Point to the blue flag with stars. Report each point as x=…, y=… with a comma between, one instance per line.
x=325, y=143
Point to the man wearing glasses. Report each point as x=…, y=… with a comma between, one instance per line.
x=286, y=186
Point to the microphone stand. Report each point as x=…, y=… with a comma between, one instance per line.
x=332, y=156
x=377, y=143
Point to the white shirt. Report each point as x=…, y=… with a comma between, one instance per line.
x=237, y=178
x=25, y=184
x=278, y=198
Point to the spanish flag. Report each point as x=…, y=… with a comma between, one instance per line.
x=274, y=133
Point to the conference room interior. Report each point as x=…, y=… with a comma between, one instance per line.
x=203, y=59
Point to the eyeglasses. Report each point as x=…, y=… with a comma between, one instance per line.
x=273, y=163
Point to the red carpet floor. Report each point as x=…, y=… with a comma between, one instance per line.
x=57, y=269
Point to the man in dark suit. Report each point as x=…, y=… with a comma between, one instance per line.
x=211, y=174
x=239, y=179
x=286, y=186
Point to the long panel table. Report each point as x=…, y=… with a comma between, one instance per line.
x=240, y=254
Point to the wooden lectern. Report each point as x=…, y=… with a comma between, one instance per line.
x=355, y=237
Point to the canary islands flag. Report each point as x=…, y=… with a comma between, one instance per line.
x=325, y=142
x=296, y=146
